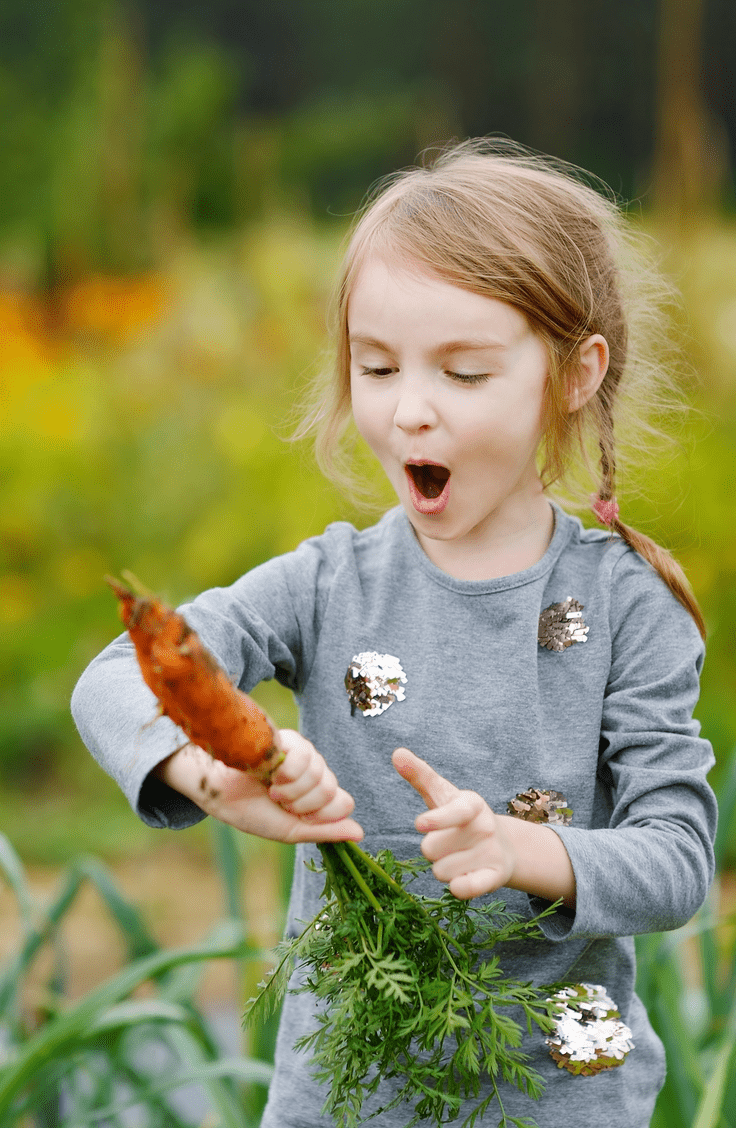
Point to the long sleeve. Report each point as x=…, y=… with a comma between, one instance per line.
x=649, y=867
x=261, y=627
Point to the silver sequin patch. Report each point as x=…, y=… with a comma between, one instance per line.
x=373, y=682
x=538, y=806
x=561, y=624
x=589, y=1035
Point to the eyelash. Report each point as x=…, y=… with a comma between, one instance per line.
x=470, y=378
x=460, y=377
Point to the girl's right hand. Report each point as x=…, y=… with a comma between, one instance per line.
x=302, y=803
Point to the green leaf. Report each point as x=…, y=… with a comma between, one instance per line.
x=12, y=867
x=400, y=975
x=17, y=966
x=139, y=940
x=253, y=1072
x=273, y=988
x=59, y=1036
x=711, y=1103
x=229, y=864
x=134, y=1012
x=726, y=811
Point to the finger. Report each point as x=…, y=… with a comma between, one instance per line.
x=316, y=775
x=300, y=753
x=433, y=788
x=256, y=814
x=343, y=831
x=442, y=843
x=466, y=876
x=461, y=810
x=312, y=801
x=474, y=884
x=339, y=807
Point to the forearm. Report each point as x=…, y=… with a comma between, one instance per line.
x=541, y=864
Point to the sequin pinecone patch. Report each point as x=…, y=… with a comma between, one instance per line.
x=540, y=806
x=589, y=1035
x=373, y=682
x=561, y=624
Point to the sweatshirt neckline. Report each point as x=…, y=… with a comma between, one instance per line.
x=560, y=537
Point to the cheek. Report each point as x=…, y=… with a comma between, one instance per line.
x=357, y=404
x=366, y=414
x=516, y=434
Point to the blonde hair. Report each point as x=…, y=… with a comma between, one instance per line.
x=494, y=218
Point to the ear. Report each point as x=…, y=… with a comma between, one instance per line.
x=592, y=367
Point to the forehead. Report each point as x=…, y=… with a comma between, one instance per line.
x=388, y=295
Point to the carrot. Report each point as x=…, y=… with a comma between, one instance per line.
x=192, y=688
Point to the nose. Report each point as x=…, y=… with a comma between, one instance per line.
x=414, y=408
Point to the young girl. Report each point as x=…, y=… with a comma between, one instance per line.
x=484, y=341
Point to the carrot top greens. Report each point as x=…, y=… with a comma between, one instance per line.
x=407, y=992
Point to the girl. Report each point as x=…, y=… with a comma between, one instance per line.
x=485, y=338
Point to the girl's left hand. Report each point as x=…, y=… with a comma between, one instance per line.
x=463, y=837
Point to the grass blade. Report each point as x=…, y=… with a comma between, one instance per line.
x=230, y=866
x=17, y=967
x=659, y=985
x=62, y=1033
x=711, y=1103
x=160, y=1114
x=726, y=812
x=135, y=1012
x=125, y=914
x=12, y=867
x=252, y=1072
x=222, y=1091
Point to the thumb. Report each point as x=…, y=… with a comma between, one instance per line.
x=434, y=789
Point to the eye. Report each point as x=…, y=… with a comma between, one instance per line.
x=379, y=372
x=469, y=377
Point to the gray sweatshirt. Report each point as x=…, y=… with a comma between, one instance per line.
x=606, y=721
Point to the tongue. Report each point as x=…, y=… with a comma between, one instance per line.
x=430, y=480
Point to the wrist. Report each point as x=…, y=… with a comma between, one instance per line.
x=190, y=771
x=541, y=865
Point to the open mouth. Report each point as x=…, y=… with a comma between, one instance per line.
x=429, y=479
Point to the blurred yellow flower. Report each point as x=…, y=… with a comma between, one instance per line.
x=18, y=599
x=114, y=308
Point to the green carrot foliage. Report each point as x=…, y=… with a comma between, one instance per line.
x=407, y=994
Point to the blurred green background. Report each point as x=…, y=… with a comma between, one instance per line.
x=176, y=179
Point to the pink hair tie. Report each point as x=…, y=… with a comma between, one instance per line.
x=605, y=511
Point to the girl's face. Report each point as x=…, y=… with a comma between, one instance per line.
x=447, y=389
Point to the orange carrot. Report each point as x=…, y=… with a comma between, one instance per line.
x=193, y=689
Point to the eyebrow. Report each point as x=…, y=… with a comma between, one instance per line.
x=469, y=344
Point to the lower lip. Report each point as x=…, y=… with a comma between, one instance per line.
x=427, y=505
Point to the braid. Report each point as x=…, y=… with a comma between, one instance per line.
x=608, y=472
x=605, y=508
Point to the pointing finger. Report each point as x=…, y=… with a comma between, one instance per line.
x=434, y=789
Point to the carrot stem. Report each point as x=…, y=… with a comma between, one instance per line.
x=138, y=587
x=357, y=875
